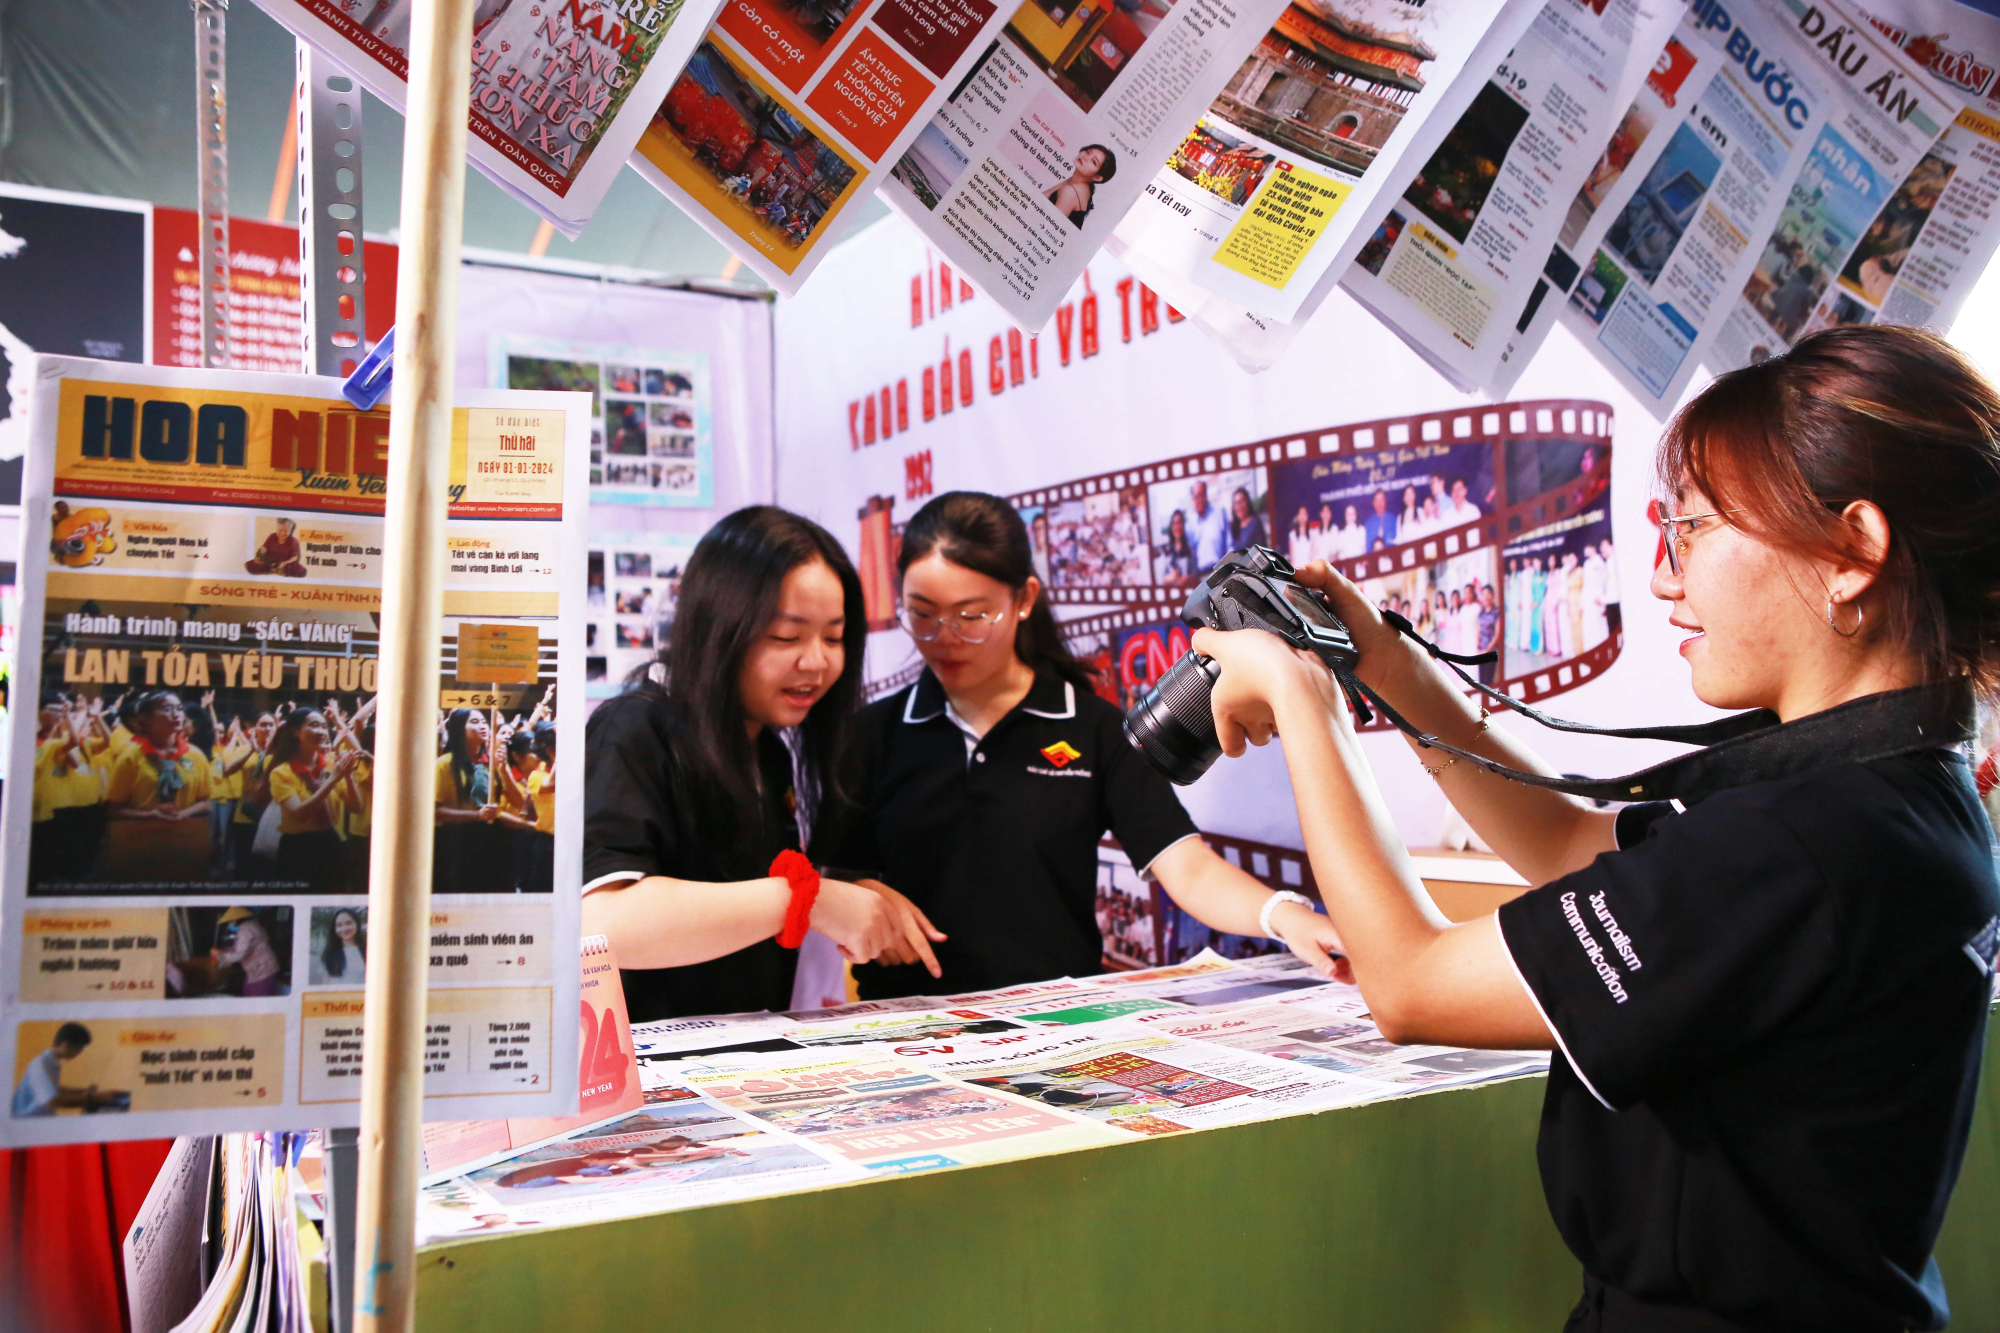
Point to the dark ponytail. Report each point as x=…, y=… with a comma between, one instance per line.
x=984, y=534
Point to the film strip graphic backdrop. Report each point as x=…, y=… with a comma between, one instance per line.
x=1489, y=528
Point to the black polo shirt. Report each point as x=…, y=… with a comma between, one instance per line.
x=632, y=830
x=999, y=847
x=1772, y=1009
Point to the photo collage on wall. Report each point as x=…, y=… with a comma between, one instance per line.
x=651, y=441
x=1488, y=529
x=634, y=581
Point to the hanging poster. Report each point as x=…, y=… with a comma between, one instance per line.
x=634, y=581
x=650, y=439
x=561, y=90
x=791, y=110
x=187, y=824
x=1423, y=512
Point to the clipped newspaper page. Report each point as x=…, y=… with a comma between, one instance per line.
x=792, y=111
x=1678, y=79
x=1877, y=171
x=1280, y=180
x=1257, y=341
x=1758, y=194
x=1455, y=255
x=1916, y=259
x=561, y=89
x=184, y=928
x=1060, y=126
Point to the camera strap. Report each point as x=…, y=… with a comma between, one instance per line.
x=1737, y=750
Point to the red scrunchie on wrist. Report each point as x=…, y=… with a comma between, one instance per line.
x=796, y=870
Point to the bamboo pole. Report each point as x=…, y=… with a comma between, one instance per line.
x=413, y=555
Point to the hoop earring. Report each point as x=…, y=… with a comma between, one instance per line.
x=1860, y=618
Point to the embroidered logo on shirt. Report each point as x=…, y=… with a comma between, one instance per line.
x=1062, y=754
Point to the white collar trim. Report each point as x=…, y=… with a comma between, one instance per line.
x=910, y=708
x=1069, y=704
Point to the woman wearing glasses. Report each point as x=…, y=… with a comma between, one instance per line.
x=989, y=782
x=1770, y=1002
x=689, y=794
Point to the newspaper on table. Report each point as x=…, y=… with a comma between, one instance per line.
x=679, y=1151
x=1146, y=1082
x=1278, y=184
x=1257, y=341
x=1454, y=257
x=792, y=111
x=1330, y=1030
x=1058, y=128
x=926, y=1026
x=1811, y=122
x=183, y=904
x=1916, y=258
x=561, y=89
x=886, y=1111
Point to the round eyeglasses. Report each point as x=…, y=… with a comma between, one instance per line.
x=968, y=626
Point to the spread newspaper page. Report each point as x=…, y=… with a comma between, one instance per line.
x=561, y=89
x=1460, y=246
x=1059, y=127
x=184, y=938
x=1257, y=341
x=1912, y=251
x=1810, y=125
x=791, y=111
x=1263, y=194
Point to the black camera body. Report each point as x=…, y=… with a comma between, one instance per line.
x=1256, y=588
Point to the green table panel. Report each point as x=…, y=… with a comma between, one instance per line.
x=1413, y=1215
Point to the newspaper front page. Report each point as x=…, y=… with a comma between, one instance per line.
x=183, y=900
x=1022, y=174
x=791, y=111
x=1458, y=252
x=1678, y=80
x=1915, y=259
x=561, y=89
x=1809, y=125
x=1263, y=196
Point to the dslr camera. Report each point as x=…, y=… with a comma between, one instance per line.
x=1256, y=588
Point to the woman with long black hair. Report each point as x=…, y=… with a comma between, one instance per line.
x=344, y=957
x=1769, y=1000
x=302, y=781
x=468, y=845
x=693, y=802
x=989, y=782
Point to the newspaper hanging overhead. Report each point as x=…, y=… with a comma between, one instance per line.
x=1759, y=195
x=1277, y=184
x=1056, y=131
x=790, y=111
x=183, y=898
x=561, y=90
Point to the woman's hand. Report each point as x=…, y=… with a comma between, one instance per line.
x=912, y=925
x=1385, y=653
x=1260, y=674
x=488, y=813
x=858, y=920
x=1312, y=937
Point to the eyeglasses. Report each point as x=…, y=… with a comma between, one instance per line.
x=1673, y=536
x=969, y=626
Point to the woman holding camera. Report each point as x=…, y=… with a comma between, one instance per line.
x=690, y=795
x=988, y=783
x=1769, y=1005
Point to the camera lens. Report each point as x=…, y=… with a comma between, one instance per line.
x=1171, y=724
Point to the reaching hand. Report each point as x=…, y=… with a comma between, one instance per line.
x=912, y=925
x=1312, y=937
x=856, y=919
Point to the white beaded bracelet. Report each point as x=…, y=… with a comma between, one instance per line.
x=1271, y=905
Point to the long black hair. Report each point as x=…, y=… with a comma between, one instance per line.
x=728, y=599
x=984, y=534
x=333, y=956
x=459, y=747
